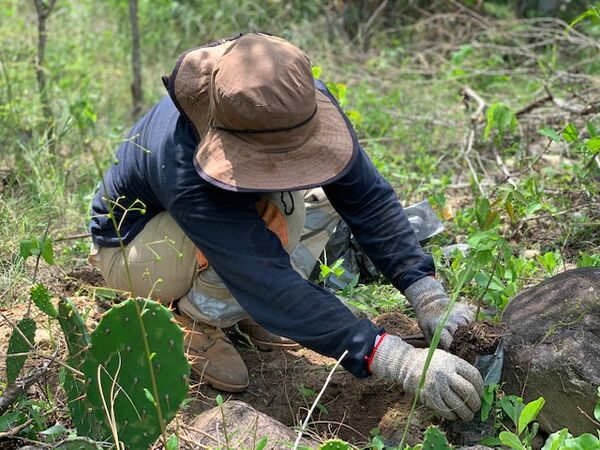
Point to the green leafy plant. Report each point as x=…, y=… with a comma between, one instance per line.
x=550, y=261
x=37, y=247
x=523, y=420
x=500, y=118
x=308, y=395
x=335, y=269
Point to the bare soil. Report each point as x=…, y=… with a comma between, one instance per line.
x=351, y=407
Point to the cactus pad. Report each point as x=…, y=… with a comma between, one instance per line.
x=118, y=370
x=434, y=439
x=78, y=340
x=17, y=345
x=334, y=444
x=77, y=443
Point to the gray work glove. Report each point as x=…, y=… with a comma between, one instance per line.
x=452, y=388
x=428, y=299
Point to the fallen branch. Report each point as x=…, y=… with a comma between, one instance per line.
x=534, y=105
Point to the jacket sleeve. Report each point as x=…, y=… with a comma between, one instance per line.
x=254, y=266
x=370, y=207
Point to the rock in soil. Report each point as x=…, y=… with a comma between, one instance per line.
x=476, y=339
x=552, y=348
x=242, y=426
x=283, y=384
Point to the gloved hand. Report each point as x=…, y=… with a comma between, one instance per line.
x=429, y=301
x=452, y=388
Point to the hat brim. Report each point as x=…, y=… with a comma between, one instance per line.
x=242, y=163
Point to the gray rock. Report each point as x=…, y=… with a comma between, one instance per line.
x=553, y=348
x=244, y=427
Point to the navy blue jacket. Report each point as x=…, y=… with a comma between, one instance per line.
x=155, y=166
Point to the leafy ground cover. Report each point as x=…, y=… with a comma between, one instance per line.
x=491, y=117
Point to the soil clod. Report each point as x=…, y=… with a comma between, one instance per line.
x=476, y=339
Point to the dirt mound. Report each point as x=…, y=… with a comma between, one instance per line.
x=476, y=339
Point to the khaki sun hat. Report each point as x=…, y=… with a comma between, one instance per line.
x=262, y=124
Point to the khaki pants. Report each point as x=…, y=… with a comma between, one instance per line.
x=163, y=265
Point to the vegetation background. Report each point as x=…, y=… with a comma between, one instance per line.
x=489, y=109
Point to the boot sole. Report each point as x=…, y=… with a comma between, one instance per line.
x=266, y=346
x=221, y=385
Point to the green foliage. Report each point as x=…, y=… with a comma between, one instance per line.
x=37, y=247
x=29, y=414
x=500, y=118
x=511, y=440
x=591, y=13
x=529, y=414
x=335, y=269
x=563, y=440
x=136, y=388
x=308, y=395
x=261, y=444
x=487, y=401
x=523, y=419
x=17, y=345
x=550, y=261
x=172, y=443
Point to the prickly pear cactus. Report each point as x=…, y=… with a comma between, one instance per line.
x=334, y=444
x=434, y=439
x=77, y=443
x=135, y=384
x=78, y=341
x=74, y=329
x=17, y=345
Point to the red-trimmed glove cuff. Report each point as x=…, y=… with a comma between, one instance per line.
x=370, y=357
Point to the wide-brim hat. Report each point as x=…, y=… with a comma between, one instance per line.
x=262, y=124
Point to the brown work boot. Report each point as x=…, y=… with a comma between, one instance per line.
x=263, y=339
x=212, y=356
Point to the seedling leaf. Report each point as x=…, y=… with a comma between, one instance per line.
x=529, y=413
x=47, y=251
x=570, y=133
x=556, y=440
x=173, y=442
x=262, y=443
x=550, y=133
x=511, y=440
x=7, y=420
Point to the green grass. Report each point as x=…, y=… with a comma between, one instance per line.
x=403, y=97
